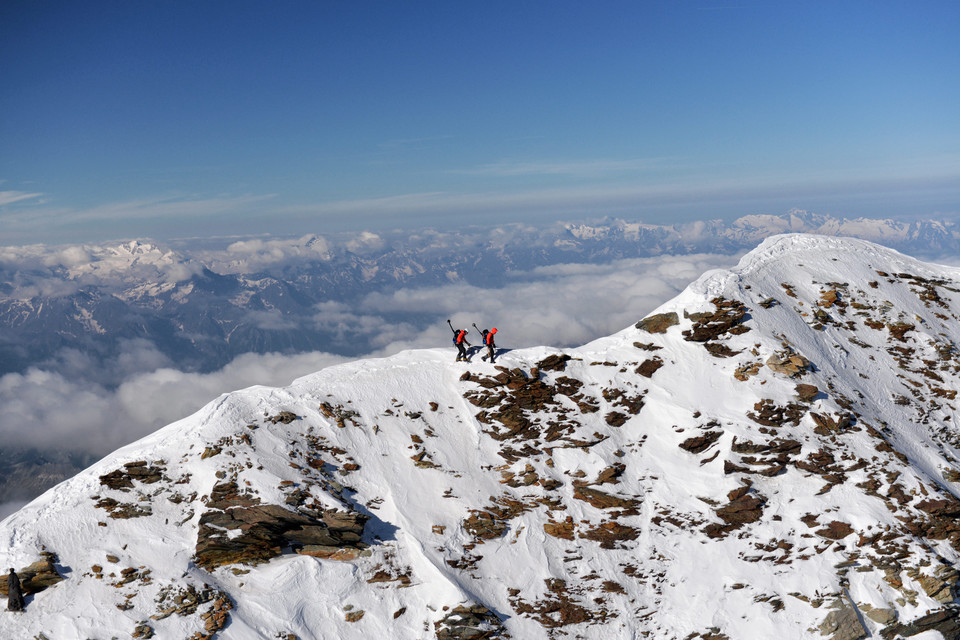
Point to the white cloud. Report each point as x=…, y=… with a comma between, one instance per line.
x=9, y=197
x=580, y=168
x=67, y=411
x=365, y=242
x=270, y=319
x=126, y=219
x=561, y=305
x=251, y=255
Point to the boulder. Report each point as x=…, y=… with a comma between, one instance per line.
x=473, y=622
x=882, y=616
x=789, y=364
x=266, y=530
x=843, y=623
x=659, y=322
x=946, y=621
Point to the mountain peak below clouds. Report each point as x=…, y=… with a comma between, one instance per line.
x=770, y=454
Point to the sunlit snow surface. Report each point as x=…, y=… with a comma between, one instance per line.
x=664, y=576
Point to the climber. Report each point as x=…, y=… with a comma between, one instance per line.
x=14, y=593
x=488, y=340
x=460, y=339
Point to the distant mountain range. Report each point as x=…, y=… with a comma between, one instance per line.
x=203, y=306
x=771, y=454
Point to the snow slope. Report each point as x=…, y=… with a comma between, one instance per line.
x=683, y=478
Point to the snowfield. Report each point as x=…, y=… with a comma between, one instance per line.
x=771, y=454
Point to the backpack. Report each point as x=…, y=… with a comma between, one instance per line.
x=459, y=335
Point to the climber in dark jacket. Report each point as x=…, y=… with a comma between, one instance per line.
x=14, y=593
x=460, y=339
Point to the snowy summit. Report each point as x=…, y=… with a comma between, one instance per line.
x=772, y=454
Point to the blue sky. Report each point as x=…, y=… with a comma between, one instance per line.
x=172, y=119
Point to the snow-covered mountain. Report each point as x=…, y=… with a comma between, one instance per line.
x=771, y=454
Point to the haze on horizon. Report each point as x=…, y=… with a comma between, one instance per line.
x=179, y=119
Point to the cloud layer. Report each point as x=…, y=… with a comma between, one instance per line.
x=65, y=404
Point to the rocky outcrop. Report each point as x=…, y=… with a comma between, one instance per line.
x=659, y=322
x=727, y=319
x=744, y=507
x=602, y=499
x=946, y=621
x=473, y=622
x=122, y=479
x=37, y=576
x=843, y=623
x=240, y=531
x=553, y=363
x=788, y=363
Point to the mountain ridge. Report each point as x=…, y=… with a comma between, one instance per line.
x=771, y=452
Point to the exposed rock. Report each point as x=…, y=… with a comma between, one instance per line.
x=556, y=362
x=37, y=576
x=647, y=346
x=611, y=474
x=493, y=521
x=284, y=417
x=327, y=552
x=946, y=621
x=769, y=414
x=881, y=616
x=899, y=330
x=788, y=363
x=744, y=507
x=123, y=510
x=216, y=618
x=939, y=586
x=658, y=323
x=825, y=425
x=225, y=495
x=473, y=622
x=648, y=367
x=615, y=418
x=611, y=535
x=744, y=372
x=829, y=298
x=338, y=413
x=806, y=392
x=835, y=530
x=265, y=530
x=728, y=318
x=719, y=350
x=122, y=479
x=142, y=630
x=558, y=608
x=699, y=444
x=563, y=530
x=484, y=525
x=843, y=624
x=603, y=500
